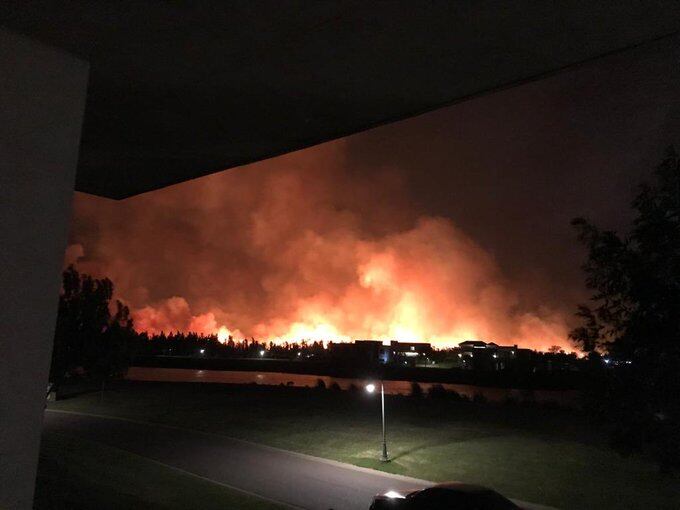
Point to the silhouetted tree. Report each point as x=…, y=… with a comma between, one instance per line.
x=479, y=398
x=87, y=337
x=436, y=391
x=634, y=315
x=110, y=356
x=416, y=390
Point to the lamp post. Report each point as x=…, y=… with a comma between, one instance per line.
x=371, y=388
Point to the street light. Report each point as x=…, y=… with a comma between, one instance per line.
x=371, y=388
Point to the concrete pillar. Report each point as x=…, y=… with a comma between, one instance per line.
x=42, y=99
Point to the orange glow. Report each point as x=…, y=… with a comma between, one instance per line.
x=223, y=335
x=392, y=297
x=428, y=284
x=298, y=248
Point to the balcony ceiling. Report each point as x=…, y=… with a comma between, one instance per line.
x=182, y=89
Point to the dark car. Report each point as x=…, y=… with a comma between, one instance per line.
x=445, y=496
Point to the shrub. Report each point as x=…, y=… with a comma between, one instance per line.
x=478, y=398
x=436, y=391
x=416, y=390
x=454, y=395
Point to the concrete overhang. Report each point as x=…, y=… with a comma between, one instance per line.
x=178, y=90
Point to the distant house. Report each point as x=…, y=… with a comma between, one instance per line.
x=477, y=354
x=361, y=351
x=474, y=344
x=404, y=353
x=386, y=352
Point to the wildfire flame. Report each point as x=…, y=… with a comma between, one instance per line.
x=295, y=249
x=223, y=334
x=393, y=297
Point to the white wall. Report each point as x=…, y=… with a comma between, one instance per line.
x=42, y=98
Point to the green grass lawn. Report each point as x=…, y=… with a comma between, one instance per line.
x=543, y=455
x=76, y=474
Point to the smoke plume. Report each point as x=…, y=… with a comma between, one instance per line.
x=302, y=247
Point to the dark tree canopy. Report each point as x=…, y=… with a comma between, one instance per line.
x=89, y=335
x=635, y=278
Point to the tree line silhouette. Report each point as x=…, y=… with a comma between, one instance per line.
x=194, y=344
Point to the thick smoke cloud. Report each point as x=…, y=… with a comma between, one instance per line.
x=302, y=247
x=350, y=239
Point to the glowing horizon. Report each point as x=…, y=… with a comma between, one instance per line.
x=297, y=248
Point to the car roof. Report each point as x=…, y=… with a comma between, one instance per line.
x=462, y=487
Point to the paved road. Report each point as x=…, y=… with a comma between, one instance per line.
x=296, y=480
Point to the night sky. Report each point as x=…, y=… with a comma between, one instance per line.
x=451, y=225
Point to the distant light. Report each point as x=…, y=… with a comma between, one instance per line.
x=393, y=495
x=495, y=355
x=370, y=388
x=405, y=362
x=202, y=351
x=262, y=352
x=299, y=354
x=606, y=360
x=460, y=355
x=628, y=362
